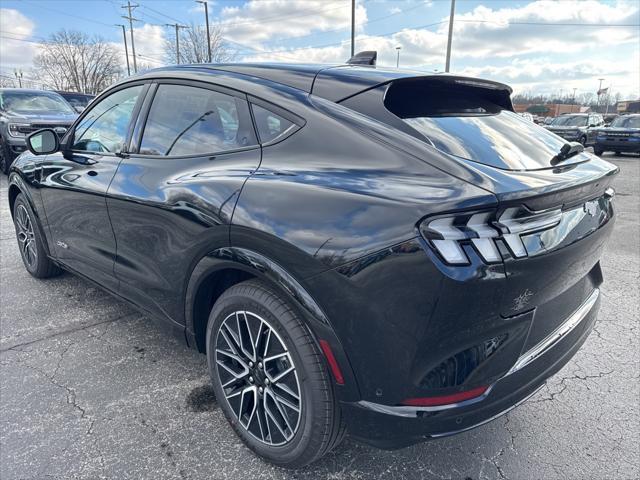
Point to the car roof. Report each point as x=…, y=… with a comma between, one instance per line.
x=25, y=90
x=333, y=82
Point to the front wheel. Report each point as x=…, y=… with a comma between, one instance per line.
x=31, y=242
x=269, y=377
x=598, y=151
x=583, y=140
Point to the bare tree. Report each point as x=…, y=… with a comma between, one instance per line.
x=72, y=60
x=193, y=45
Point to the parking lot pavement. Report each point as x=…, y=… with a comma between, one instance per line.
x=91, y=389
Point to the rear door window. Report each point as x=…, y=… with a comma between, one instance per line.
x=185, y=121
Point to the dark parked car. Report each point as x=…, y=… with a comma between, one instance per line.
x=393, y=254
x=24, y=111
x=78, y=101
x=623, y=135
x=578, y=127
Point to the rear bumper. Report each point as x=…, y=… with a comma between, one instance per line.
x=398, y=426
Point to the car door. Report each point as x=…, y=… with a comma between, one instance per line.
x=172, y=199
x=74, y=183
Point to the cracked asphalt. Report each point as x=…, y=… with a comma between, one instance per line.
x=89, y=389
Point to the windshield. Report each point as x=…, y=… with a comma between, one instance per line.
x=626, y=122
x=570, y=121
x=33, y=102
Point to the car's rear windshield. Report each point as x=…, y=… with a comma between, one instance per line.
x=626, y=122
x=570, y=121
x=473, y=123
x=33, y=102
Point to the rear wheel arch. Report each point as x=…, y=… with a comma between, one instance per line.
x=223, y=268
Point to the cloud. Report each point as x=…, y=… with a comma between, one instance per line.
x=511, y=45
x=544, y=76
x=259, y=21
x=485, y=32
x=18, y=52
x=150, y=42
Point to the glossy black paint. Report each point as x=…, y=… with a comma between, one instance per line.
x=328, y=216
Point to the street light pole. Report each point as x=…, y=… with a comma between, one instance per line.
x=353, y=27
x=126, y=50
x=206, y=16
x=574, y=98
x=398, y=57
x=449, y=39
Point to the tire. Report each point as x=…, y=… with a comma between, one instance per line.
x=30, y=241
x=257, y=312
x=583, y=140
x=598, y=151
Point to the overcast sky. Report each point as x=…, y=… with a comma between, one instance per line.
x=540, y=46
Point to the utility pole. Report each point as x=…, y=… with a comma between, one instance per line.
x=19, y=75
x=129, y=17
x=573, y=102
x=600, y=92
x=453, y=11
x=206, y=16
x=177, y=26
x=126, y=50
x=398, y=56
x=353, y=27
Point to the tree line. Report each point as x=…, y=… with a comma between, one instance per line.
x=72, y=60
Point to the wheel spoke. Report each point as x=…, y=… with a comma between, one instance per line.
x=246, y=338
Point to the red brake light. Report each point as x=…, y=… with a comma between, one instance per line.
x=445, y=399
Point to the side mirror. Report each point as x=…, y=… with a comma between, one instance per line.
x=43, y=142
x=79, y=108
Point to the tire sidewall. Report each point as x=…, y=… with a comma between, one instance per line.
x=293, y=449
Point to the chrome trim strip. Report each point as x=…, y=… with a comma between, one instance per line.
x=504, y=412
x=558, y=334
x=412, y=412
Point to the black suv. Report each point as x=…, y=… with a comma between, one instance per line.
x=25, y=111
x=393, y=254
x=577, y=127
x=623, y=135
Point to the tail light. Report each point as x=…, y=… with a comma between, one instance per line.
x=482, y=230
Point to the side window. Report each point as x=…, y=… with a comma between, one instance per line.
x=187, y=120
x=104, y=129
x=270, y=125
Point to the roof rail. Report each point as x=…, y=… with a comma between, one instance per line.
x=368, y=57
